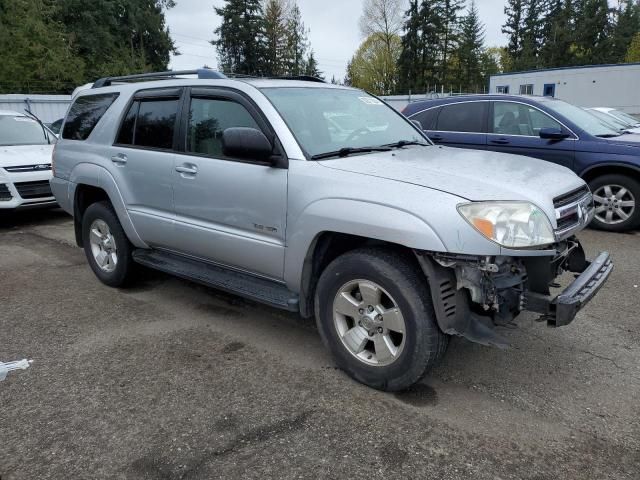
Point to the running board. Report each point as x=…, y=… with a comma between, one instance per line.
x=245, y=285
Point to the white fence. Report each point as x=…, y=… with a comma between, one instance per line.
x=47, y=108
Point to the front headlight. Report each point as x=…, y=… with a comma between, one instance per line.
x=510, y=224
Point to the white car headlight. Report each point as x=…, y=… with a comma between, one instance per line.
x=510, y=224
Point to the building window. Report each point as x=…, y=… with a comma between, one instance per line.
x=526, y=89
x=502, y=89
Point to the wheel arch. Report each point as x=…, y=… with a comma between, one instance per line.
x=91, y=184
x=595, y=171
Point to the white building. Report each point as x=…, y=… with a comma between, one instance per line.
x=616, y=86
x=47, y=108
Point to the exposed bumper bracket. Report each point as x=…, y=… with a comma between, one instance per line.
x=561, y=311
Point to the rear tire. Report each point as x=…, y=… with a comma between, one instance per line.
x=368, y=343
x=106, y=246
x=617, y=201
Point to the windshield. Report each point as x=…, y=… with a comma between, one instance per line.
x=608, y=120
x=21, y=130
x=624, y=117
x=583, y=119
x=326, y=120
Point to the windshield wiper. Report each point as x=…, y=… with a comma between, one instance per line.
x=609, y=135
x=345, y=152
x=406, y=143
x=33, y=116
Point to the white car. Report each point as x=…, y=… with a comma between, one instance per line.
x=629, y=123
x=25, y=162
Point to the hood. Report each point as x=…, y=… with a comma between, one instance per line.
x=630, y=139
x=471, y=174
x=19, y=155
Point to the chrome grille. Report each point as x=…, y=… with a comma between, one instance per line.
x=38, y=189
x=573, y=210
x=42, y=167
x=5, y=194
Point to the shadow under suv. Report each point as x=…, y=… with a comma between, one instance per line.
x=549, y=129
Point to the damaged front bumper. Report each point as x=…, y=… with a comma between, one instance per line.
x=474, y=295
x=561, y=310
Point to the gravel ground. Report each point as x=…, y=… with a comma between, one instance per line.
x=169, y=380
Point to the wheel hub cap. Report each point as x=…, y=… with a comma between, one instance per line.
x=369, y=323
x=103, y=246
x=614, y=204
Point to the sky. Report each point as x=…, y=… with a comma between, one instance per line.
x=333, y=24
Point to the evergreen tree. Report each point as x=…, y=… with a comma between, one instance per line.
x=532, y=35
x=241, y=37
x=627, y=26
x=37, y=54
x=118, y=36
x=276, y=38
x=470, y=50
x=297, y=41
x=513, y=27
x=558, y=35
x=592, y=32
x=447, y=12
x=311, y=67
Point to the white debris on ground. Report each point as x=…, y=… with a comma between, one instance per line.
x=9, y=366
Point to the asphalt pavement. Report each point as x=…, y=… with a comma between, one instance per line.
x=171, y=380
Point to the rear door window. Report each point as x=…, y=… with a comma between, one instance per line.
x=463, y=117
x=150, y=123
x=427, y=118
x=85, y=113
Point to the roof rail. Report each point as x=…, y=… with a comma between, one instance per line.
x=305, y=78
x=203, y=73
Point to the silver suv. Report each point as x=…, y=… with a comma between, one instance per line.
x=322, y=200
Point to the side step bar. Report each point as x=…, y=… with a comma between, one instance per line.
x=245, y=285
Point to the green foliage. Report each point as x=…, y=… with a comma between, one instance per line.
x=37, y=54
x=471, y=58
x=275, y=25
x=373, y=67
x=311, y=67
x=633, y=54
x=241, y=41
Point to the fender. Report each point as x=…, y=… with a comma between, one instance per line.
x=353, y=217
x=630, y=166
x=97, y=176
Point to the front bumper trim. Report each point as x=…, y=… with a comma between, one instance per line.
x=562, y=310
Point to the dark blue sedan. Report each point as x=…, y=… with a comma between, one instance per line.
x=550, y=129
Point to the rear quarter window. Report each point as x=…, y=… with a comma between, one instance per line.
x=84, y=115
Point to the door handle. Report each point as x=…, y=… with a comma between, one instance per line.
x=119, y=159
x=187, y=169
x=435, y=138
x=500, y=141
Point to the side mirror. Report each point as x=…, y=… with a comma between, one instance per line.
x=417, y=124
x=553, y=134
x=246, y=144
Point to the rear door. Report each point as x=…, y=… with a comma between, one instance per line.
x=461, y=125
x=142, y=162
x=515, y=128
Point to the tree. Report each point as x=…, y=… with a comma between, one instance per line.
x=372, y=69
x=297, y=41
x=311, y=67
x=276, y=38
x=593, y=29
x=471, y=50
x=241, y=37
x=37, y=54
x=513, y=27
x=118, y=36
x=382, y=17
x=532, y=35
x=633, y=54
x=626, y=27
x=447, y=12
x=558, y=35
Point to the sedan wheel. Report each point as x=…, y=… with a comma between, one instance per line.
x=614, y=204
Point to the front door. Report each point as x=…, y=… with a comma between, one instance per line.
x=228, y=211
x=515, y=128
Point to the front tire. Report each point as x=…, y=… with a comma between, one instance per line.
x=374, y=313
x=106, y=246
x=617, y=202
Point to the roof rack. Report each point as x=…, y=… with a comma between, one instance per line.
x=203, y=73
x=304, y=78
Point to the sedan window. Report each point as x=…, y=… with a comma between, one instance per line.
x=463, y=117
x=521, y=120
